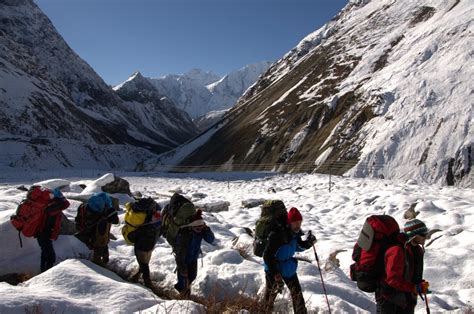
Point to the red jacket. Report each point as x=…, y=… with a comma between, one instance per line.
x=53, y=217
x=403, y=266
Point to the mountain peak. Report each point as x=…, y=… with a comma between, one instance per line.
x=134, y=82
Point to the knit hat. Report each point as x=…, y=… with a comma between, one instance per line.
x=294, y=215
x=99, y=201
x=415, y=227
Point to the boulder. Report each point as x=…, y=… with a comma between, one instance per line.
x=253, y=202
x=117, y=186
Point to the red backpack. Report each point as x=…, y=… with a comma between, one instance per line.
x=377, y=235
x=31, y=214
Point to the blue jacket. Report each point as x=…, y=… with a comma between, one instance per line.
x=280, y=250
x=188, y=246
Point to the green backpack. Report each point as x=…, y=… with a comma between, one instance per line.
x=272, y=212
x=178, y=213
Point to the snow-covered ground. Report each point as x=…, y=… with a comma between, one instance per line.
x=335, y=217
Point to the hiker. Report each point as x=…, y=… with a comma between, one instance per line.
x=403, y=280
x=184, y=229
x=39, y=215
x=93, y=222
x=280, y=265
x=142, y=228
x=187, y=250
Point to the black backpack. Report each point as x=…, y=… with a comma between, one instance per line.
x=176, y=214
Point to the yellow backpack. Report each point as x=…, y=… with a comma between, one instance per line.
x=133, y=220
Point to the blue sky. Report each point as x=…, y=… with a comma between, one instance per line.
x=158, y=37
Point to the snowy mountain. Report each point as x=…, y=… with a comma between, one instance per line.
x=56, y=111
x=383, y=90
x=198, y=92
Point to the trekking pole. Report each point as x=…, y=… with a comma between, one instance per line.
x=428, y=311
x=321, y=274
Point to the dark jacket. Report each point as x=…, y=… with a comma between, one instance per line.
x=94, y=228
x=403, y=270
x=144, y=238
x=188, y=246
x=52, y=223
x=281, y=247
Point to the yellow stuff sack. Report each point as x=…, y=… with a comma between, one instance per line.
x=133, y=219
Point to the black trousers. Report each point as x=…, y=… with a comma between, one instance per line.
x=48, y=256
x=100, y=255
x=387, y=307
x=143, y=259
x=271, y=292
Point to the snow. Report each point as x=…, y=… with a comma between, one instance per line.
x=165, y=162
x=334, y=217
x=76, y=286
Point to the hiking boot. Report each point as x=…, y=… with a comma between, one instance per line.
x=135, y=278
x=149, y=284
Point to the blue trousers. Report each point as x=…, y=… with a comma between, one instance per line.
x=192, y=274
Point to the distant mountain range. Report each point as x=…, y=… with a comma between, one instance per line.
x=201, y=94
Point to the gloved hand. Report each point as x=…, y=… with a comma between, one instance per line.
x=280, y=284
x=311, y=238
x=422, y=287
x=57, y=193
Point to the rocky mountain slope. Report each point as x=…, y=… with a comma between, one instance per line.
x=384, y=90
x=56, y=111
x=199, y=92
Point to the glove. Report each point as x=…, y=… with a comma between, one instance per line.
x=311, y=238
x=57, y=193
x=422, y=287
x=280, y=284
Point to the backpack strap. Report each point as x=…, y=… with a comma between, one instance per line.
x=19, y=237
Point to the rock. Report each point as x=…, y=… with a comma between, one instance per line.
x=253, y=202
x=117, y=186
x=199, y=196
x=68, y=227
x=178, y=190
x=22, y=188
x=215, y=207
x=410, y=213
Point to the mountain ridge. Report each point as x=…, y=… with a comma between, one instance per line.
x=336, y=100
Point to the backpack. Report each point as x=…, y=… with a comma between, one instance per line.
x=178, y=213
x=137, y=214
x=90, y=215
x=270, y=220
x=377, y=235
x=31, y=215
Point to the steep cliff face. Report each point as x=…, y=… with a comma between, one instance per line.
x=383, y=89
x=56, y=111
